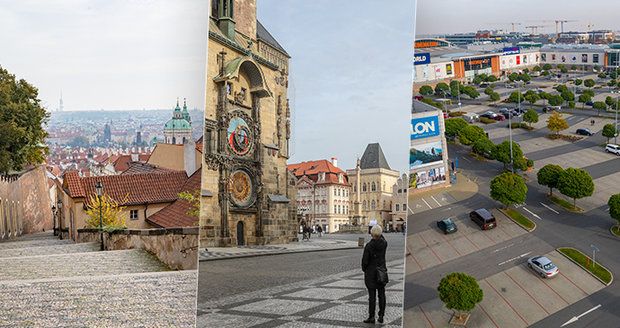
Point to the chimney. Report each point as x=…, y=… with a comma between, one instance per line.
x=189, y=156
x=335, y=161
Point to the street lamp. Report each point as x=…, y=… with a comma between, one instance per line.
x=99, y=188
x=59, y=207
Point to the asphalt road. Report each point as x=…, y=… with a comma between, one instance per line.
x=554, y=230
x=229, y=277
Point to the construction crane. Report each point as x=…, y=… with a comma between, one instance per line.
x=535, y=28
x=513, y=24
x=561, y=22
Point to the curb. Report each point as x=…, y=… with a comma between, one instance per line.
x=612, y=232
x=277, y=253
x=586, y=270
x=515, y=221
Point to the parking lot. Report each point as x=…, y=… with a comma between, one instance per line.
x=432, y=247
x=516, y=297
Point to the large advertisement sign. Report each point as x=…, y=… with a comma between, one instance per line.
x=477, y=63
x=422, y=58
x=424, y=127
x=427, y=178
x=425, y=154
x=511, y=50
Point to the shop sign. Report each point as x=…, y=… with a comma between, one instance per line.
x=422, y=58
x=511, y=50
x=424, y=127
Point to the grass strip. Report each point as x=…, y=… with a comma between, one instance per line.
x=586, y=262
x=616, y=230
x=519, y=218
x=566, y=204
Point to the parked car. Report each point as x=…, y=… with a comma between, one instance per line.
x=488, y=114
x=498, y=117
x=471, y=117
x=590, y=103
x=418, y=97
x=584, y=132
x=614, y=149
x=543, y=266
x=447, y=226
x=483, y=218
x=446, y=115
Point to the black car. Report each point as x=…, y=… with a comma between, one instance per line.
x=584, y=132
x=447, y=226
x=590, y=103
x=483, y=218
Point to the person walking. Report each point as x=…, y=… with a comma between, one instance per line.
x=375, y=273
x=404, y=228
x=319, y=229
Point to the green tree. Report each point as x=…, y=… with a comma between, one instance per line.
x=456, y=88
x=546, y=67
x=589, y=83
x=555, y=100
x=106, y=209
x=602, y=75
x=22, y=120
x=470, y=134
x=599, y=105
x=460, y=292
x=573, y=67
x=491, y=78
x=484, y=147
x=614, y=207
x=494, y=96
x=193, y=198
x=525, y=77
x=556, y=123
x=561, y=88
x=549, y=175
x=515, y=96
x=611, y=83
x=477, y=80
x=584, y=98
x=588, y=92
x=536, y=68
x=531, y=116
x=501, y=153
x=442, y=88
x=613, y=75
x=578, y=82
x=531, y=97
x=508, y=188
x=564, y=69
x=454, y=126
x=575, y=183
x=609, y=131
x=470, y=91
x=568, y=96
x=426, y=90
x=488, y=90
x=513, y=77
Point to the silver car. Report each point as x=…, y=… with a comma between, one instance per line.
x=543, y=266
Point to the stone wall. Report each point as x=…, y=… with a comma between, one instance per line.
x=176, y=247
x=27, y=200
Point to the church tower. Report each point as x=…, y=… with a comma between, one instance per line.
x=247, y=194
x=178, y=129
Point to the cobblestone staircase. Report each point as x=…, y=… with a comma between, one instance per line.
x=46, y=282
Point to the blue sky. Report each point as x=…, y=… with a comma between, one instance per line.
x=113, y=54
x=350, y=75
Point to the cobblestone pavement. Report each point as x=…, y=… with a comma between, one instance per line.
x=338, y=300
x=50, y=250
x=313, y=245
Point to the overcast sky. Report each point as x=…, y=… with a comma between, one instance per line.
x=351, y=75
x=113, y=54
x=454, y=16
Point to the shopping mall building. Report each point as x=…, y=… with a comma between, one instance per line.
x=437, y=60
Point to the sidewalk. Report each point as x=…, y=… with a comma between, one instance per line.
x=423, y=201
x=339, y=300
x=315, y=244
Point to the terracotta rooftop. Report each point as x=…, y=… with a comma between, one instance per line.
x=140, y=168
x=149, y=188
x=175, y=215
x=311, y=169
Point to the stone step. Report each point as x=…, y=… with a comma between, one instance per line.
x=78, y=264
x=160, y=299
x=65, y=248
x=19, y=243
x=38, y=235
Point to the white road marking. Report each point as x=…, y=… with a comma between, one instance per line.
x=533, y=214
x=427, y=204
x=438, y=204
x=502, y=248
x=446, y=209
x=549, y=208
x=410, y=210
x=467, y=159
x=515, y=258
x=573, y=319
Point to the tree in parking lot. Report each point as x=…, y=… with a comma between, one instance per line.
x=599, y=105
x=614, y=207
x=484, y=147
x=564, y=69
x=515, y=96
x=501, y=153
x=609, y=131
x=488, y=90
x=556, y=123
x=531, y=97
x=575, y=183
x=536, y=68
x=456, y=88
x=470, y=91
x=508, y=188
x=584, y=98
x=578, y=82
x=588, y=92
x=568, y=96
x=546, y=67
x=513, y=77
x=470, y=134
x=602, y=75
x=426, y=90
x=494, y=96
x=460, y=292
x=454, y=126
x=477, y=80
x=442, y=88
x=611, y=83
x=589, y=83
x=491, y=78
x=531, y=116
x=573, y=67
x=561, y=88
x=555, y=100
x=613, y=75
x=549, y=176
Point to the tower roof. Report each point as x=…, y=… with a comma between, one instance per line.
x=264, y=35
x=373, y=158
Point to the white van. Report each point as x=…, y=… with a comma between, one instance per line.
x=614, y=149
x=471, y=117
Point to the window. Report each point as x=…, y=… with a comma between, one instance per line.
x=364, y=206
x=373, y=187
x=404, y=207
x=334, y=208
x=595, y=58
x=397, y=207
x=338, y=209
x=133, y=214
x=334, y=192
x=364, y=187
x=338, y=192
x=373, y=205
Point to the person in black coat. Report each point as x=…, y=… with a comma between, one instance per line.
x=373, y=258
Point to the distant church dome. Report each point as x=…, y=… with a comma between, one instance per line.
x=179, y=127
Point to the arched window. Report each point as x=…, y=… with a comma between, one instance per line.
x=335, y=209
x=364, y=205
x=334, y=192
x=355, y=187
x=397, y=207
x=373, y=187
x=364, y=187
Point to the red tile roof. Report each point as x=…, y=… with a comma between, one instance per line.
x=311, y=169
x=149, y=188
x=175, y=215
x=140, y=168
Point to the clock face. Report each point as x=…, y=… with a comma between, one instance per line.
x=239, y=136
x=241, y=188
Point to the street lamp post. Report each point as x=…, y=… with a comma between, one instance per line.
x=59, y=207
x=594, y=250
x=54, y=213
x=99, y=188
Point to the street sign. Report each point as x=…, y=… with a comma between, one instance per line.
x=422, y=58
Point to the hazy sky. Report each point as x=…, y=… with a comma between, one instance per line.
x=453, y=16
x=112, y=54
x=351, y=74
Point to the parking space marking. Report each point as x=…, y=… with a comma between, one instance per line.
x=438, y=204
x=567, y=278
x=549, y=208
x=528, y=293
x=449, y=243
x=426, y=316
x=427, y=204
x=432, y=250
x=488, y=316
x=506, y=301
x=515, y=258
x=502, y=248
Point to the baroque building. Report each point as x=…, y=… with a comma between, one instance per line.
x=323, y=193
x=248, y=195
x=372, y=182
x=179, y=128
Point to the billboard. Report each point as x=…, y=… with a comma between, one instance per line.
x=425, y=154
x=422, y=58
x=427, y=178
x=511, y=50
x=424, y=127
x=477, y=63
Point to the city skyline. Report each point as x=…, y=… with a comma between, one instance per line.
x=115, y=55
x=349, y=86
